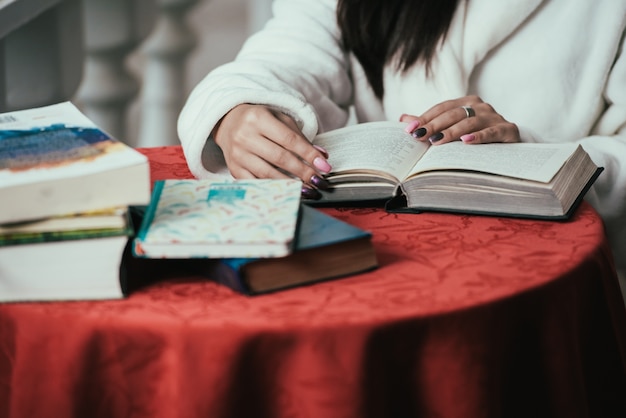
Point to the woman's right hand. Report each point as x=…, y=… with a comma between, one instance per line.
x=259, y=142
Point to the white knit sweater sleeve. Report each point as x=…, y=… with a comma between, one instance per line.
x=607, y=147
x=295, y=64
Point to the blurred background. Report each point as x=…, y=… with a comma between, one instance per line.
x=128, y=64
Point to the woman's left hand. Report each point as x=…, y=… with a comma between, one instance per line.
x=468, y=119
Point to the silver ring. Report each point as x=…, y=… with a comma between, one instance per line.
x=469, y=112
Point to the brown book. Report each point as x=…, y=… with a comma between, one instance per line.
x=326, y=248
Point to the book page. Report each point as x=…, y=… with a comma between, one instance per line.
x=381, y=146
x=538, y=162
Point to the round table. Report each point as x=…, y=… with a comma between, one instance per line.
x=466, y=317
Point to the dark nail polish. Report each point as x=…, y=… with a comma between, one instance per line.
x=436, y=138
x=319, y=182
x=419, y=132
x=310, y=193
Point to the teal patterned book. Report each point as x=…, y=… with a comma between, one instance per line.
x=215, y=219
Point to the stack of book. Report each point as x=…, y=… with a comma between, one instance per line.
x=253, y=236
x=65, y=191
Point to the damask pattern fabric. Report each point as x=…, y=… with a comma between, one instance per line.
x=466, y=317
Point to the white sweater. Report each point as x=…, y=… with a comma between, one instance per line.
x=556, y=68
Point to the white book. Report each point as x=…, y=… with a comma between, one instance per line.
x=54, y=161
x=64, y=264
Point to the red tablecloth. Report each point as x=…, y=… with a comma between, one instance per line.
x=466, y=317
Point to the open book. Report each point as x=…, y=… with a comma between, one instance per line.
x=379, y=160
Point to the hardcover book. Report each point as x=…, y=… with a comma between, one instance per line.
x=54, y=161
x=64, y=265
x=111, y=218
x=519, y=180
x=326, y=248
x=216, y=219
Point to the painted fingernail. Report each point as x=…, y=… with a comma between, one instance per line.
x=322, y=150
x=468, y=138
x=411, y=126
x=319, y=182
x=419, y=133
x=310, y=193
x=436, y=137
x=322, y=165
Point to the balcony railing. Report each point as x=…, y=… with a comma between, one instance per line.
x=55, y=50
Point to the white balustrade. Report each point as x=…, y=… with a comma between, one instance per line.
x=166, y=51
x=55, y=50
x=114, y=29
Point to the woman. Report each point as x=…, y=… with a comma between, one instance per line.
x=479, y=71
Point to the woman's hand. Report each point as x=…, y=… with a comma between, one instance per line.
x=259, y=142
x=468, y=118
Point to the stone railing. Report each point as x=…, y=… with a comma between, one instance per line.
x=55, y=50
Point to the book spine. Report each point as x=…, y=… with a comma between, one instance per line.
x=151, y=209
x=54, y=236
x=226, y=272
x=233, y=278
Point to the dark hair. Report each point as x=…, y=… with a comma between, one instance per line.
x=381, y=31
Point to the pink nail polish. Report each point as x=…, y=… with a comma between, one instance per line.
x=322, y=165
x=412, y=126
x=468, y=138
